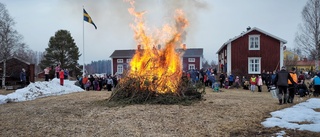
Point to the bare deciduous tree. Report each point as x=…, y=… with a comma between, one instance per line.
x=9, y=38
x=308, y=37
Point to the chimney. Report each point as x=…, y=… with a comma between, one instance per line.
x=139, y=47
x=184, y=46
x=159, y=47
x=249, y=28
x=305, y=59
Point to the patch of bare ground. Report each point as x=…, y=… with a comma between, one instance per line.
x=229, y=113
x=317, y=109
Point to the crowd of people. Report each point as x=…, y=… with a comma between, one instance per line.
x=97, y=82
x=288, y=83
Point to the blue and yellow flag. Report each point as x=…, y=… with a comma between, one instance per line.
x=87, y=18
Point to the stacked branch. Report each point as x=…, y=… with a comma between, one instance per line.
x=139, y=90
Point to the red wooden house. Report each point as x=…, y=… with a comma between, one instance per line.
x=120, y=59
x=251, y=52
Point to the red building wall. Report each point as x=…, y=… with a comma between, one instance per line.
x=185, y=63
x=269, y=52
x=115, y=64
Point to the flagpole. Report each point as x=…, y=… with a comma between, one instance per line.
x=83, y=68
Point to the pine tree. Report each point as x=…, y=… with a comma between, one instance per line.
x=62, y=50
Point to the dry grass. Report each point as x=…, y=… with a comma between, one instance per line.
x=229, y=113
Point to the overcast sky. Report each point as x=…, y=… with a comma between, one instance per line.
x=212, y=22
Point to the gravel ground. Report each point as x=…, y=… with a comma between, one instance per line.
x=229, y=113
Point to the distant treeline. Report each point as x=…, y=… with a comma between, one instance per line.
x=101, y=66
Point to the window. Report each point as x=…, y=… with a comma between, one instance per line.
x=254, y=65
x=191, y=60
x=128, y=60
x=120, y=69
x=119, y=60
x=254, y=42
x=191, y=66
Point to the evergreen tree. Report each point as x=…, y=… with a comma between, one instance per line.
x=62, y=50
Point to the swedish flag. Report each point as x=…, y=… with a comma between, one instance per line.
x=87, y=18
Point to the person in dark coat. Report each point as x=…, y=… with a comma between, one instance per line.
x=222, y=77
x=23, y=77
x=281, y=81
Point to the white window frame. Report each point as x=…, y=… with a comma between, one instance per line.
x=128, y=60
x=119, y=60
x=191, y=59
x=255, y=42
x=255, y=67
x=119, y=69
x=191, y=66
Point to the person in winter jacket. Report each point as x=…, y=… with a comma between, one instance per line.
x=109, y=83
x=212, y=80
x=259, y=83
x=316, y=85
x=237, y=82
x=222, y=79
x=291, y=87
x=281, y=81
x=253, y=83
x=230, y=78
x=61, y=77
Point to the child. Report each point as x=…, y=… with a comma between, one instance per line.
x=226, y=83
x=237, y=82
x=253, y=83
x=259, y=83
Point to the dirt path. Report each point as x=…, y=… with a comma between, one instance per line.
x=228, y=113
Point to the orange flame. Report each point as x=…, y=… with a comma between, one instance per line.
x=160, y=66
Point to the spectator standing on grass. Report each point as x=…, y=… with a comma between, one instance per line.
x=253, y=83
x=61, y=77
x=281, y=81
x=231, y=79
x=291, y=86
x=23, y=77
x=109, y=83
x=46, y=73
x=263, y=76
x=301, y=78
x=84, y=82
x=316, y=85
x=259, y=83
x=221, y=79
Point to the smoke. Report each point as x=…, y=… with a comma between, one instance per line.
x=113, y=15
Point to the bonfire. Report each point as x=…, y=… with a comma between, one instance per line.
x=155, y=73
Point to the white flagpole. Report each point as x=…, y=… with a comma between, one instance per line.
x=83, y=68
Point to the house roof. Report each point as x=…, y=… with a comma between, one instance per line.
x=123, y=53
x=28, y=63
x=306, y=63
x=190, y=52
x=252, y=29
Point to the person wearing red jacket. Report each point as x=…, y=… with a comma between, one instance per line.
x=253, y=83
x=61, y=76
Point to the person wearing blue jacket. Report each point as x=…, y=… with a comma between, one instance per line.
x=212, y=79
x=231, y=79
x=316, y=85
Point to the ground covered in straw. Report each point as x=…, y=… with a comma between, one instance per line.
x=228, y=113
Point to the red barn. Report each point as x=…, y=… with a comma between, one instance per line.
x=251, y=52
x=120, y=59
